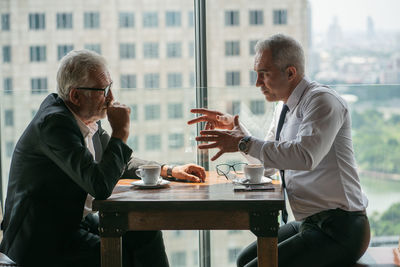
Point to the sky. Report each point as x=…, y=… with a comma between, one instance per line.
x=352, y=14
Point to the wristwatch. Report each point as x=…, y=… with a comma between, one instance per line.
x=169, y=171
x=244, y=144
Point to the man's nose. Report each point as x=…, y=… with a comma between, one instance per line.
x=110, y=96
x=259, y=81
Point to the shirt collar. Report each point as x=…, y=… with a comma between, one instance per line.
x=86, y=129
x=297, y=93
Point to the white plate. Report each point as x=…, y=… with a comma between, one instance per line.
x=264, y=180
x=160, y=184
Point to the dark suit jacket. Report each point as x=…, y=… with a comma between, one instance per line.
x=51, y=173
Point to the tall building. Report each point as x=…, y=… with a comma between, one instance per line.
x=149, y=45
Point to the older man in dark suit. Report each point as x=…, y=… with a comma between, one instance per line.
x=62, y=161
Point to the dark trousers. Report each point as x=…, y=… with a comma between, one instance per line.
x=331, y=238
x=139, y=248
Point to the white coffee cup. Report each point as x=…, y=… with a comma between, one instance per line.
x=150, y=174
x=254, y=172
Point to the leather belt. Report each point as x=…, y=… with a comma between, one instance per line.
x=320, y=217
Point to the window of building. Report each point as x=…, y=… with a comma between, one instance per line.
x=175, y=110
x=191, y=19
x=252, y=50
x=62, y=50
x=150, y=19
x=127, y=51
x=257, y=107
x=192, y=79
x=64, y=20
x=6, y=54
x=232, y=78
x=134, y=112
x=232, y=48
x=38, y=85
x=5, y=22
x=93, y=47
x=92, y=20
x=280, y=17
x=9, y=148
x=37, y=53
x=235, y=108
x=153, y=142
x=232, y=254
x=8, y=86
x=152, y=112
x=133, y=142
x=9, y=117
x=232, y=18
x=174, y=50
x=174, y=80
x=128, y=81
x=191, y=49
x=178, y=259
x=172, y=18
x=150, y=50
x=253, y=77
x=175, y=140
x=126, y=20
x=37, y=21
x=256, y=17
x=152, y=80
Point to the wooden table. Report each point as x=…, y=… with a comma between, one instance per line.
x=212, y=205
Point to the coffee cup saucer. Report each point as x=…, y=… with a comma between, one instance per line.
x=245, y=181
x=161, y=183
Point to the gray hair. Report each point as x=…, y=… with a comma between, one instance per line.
x=75, y=69
x=285, y=52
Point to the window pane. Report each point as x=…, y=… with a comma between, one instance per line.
x=231, y=18
x=150, y=19
x=128, y=81
x=127, y=51
x=64, y=20
x=5, y=22
x=280, y=17
x=94, y=47
x=62, y=50
x=256, y=17
x=37, y=21
x=92, y=20
x=6, y=54
x=126, y=20
x=150, y=50
x=38, y=53
x=173, y=19
x=8, y=86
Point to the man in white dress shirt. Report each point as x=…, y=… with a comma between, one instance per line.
x=313, y=149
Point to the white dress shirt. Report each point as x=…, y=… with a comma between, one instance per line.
x=315, y=150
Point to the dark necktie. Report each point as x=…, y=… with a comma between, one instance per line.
x=285, y=109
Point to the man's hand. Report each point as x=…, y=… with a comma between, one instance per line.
x=118, y=116
x=189, y=172
x=214, y=119
x=226, y=141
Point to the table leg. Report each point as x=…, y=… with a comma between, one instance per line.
x=111, y=252
x=267, y=251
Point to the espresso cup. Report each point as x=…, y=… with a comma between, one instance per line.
x=150, y=174
x=254, y=172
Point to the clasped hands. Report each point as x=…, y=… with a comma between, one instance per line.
x=226, y=139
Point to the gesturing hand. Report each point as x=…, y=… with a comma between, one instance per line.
x=214, y=119
x=226, y=141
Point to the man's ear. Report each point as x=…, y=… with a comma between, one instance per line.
x=291, y=73
x=74, y=97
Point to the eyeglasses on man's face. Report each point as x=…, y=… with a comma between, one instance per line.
x=225, y=169
x=106, y=90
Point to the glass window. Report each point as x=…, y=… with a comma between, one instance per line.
x=175, y=110
x=174, y=50
x=234, y=108
x=256, y=17
x=150, y=50
x=152, y=112
x=191, y=49
x=152, y=80
x=232, y=48
x=37, y=53
x=8, y=86
x=252, y=44
x=232, y=78
x=91, y=20
x=5, y=22
x=178, y=259
x=134, y=112
x=128, y=81
x=126, y=20
x=150, y=20
x=175, y=140
x=6, y=54
x=280, y=17
x=127, y=51
x=190, y=18
x=153, y=142
x=9, y=117
x=62, y=50
x=232, y=18
x=253, y=77
x=37, y=21
x=192, y=79
x=9, y=148
x=173, y=18
x=174, y=80
x=64, y=20
x=257, y=107
x=39, y=85
x=133, y=142
x=94, y=47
